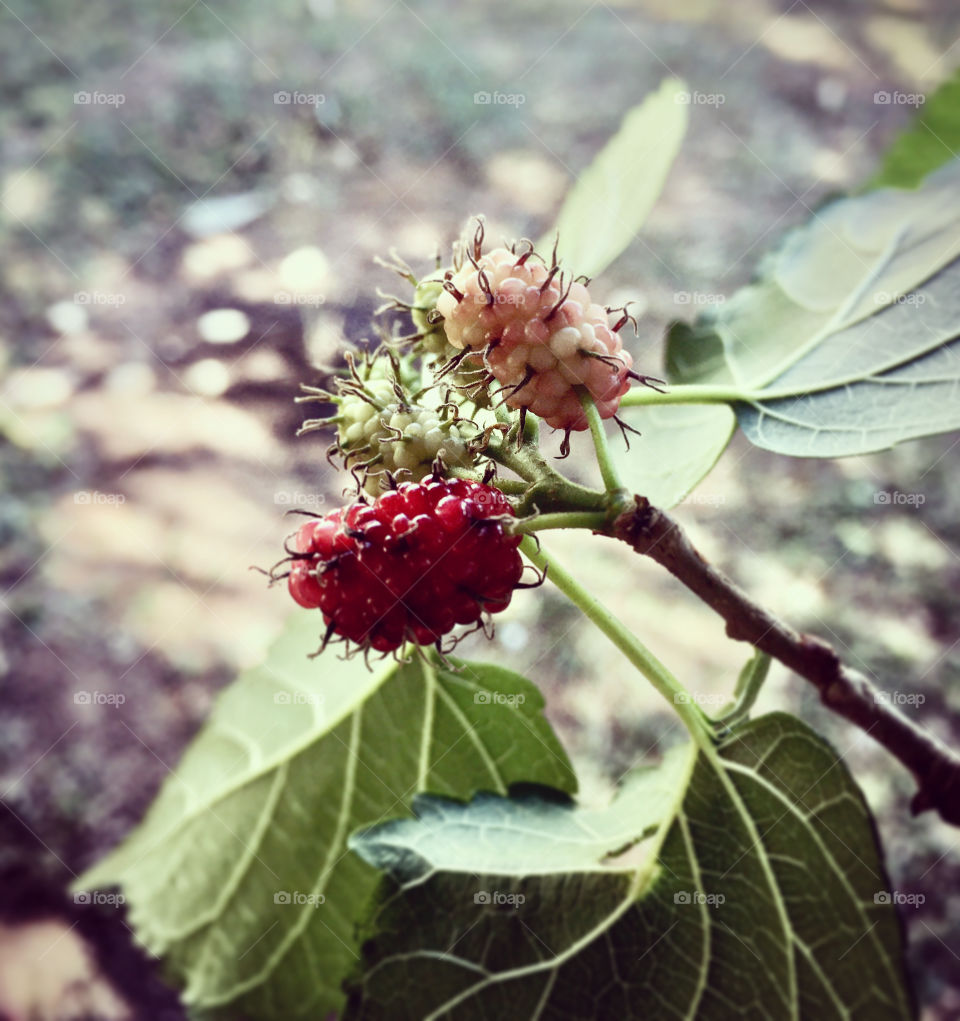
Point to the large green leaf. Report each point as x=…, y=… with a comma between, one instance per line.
x=848, y=340
x=743, y=885
x=611, y=199
x=932, y=139
x=239, y=876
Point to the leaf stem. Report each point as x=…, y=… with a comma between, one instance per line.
x=635, y=651
x=430, y=703
x=641, y=396
x=608, y=471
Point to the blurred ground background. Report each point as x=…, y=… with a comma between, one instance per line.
x=181, y=247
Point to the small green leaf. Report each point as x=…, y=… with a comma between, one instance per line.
x=611, y=199
x=932, y=139
x=695, y=353
x=677, y=447
x=742, y=884
x=239, y=876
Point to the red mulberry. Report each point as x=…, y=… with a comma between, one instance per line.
x=411, y=566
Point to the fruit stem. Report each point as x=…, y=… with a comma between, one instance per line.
x=608, y=471
x=639, y=655
x=594, y=520
x=557, y=494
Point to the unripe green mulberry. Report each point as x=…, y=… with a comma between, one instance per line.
x=403, y=439
x=380, y=428
x=433, y=341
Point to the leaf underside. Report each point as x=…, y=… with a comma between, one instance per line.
x=760, y=894
x=848, y=342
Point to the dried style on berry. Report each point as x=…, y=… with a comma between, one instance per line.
x=419, y=561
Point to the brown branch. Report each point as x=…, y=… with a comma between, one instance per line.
x=845, y=691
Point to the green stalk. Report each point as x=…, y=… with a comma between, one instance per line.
x=545, y=489
x=635, y=651
x=608, y=470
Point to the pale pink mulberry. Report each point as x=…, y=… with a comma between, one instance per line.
x=537, y=333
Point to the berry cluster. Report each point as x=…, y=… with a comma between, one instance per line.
x=539, y=336
x=430, y=553
x=410, y=567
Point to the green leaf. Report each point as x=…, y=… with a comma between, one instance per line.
x=932, y=139
x=742, y=884
x=239, y=875
x=613, y=196
x=695, y=353
x=677, y=447
x=848, y=342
